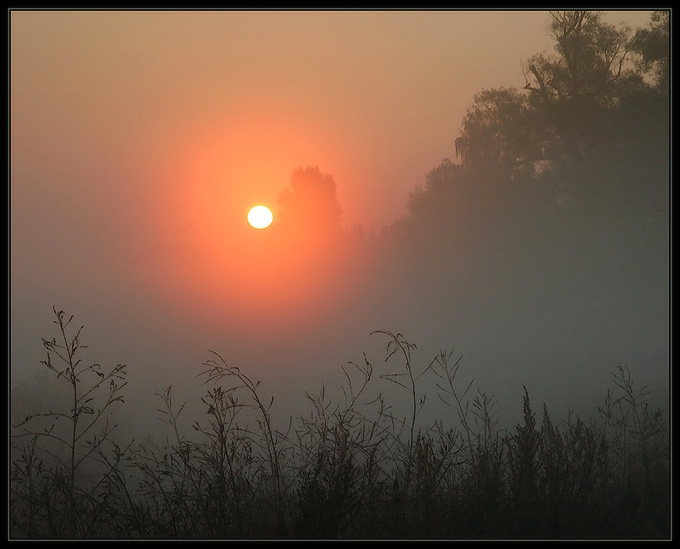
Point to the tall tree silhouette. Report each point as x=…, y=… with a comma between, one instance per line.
x=591, y=57
x=310, y=204
x=308, y=233
x=566, y=103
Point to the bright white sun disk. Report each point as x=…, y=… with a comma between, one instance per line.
x=260, y=217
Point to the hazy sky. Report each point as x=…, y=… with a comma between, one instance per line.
x=137, y=135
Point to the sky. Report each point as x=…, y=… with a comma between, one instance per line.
x=139, y=140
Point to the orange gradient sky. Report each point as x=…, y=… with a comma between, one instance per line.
x=140, y=139
x=373, y=98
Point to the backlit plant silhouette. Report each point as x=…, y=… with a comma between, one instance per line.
x=355, y=466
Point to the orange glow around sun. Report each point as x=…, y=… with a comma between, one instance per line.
x=213, y=265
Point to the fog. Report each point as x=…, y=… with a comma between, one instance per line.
x=139, y=140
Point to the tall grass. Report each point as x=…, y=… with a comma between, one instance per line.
x=48, y=469
x=351, y=467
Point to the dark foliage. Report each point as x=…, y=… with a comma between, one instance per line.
x=351, y=469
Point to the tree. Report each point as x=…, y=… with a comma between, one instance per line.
x=432, y=201
x=311, y=249
x=591, y=57
x=559, y=120
x=500, y=136
x=576, y=89
x=652, y=44
x=311, y=202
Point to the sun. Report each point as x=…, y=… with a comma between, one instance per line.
x=260, y=217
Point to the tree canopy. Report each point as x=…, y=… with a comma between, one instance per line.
x=311, y=201
x=570, y=98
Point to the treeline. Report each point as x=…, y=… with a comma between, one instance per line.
x=572, y=168
x=350, y=468
x=587, y=136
